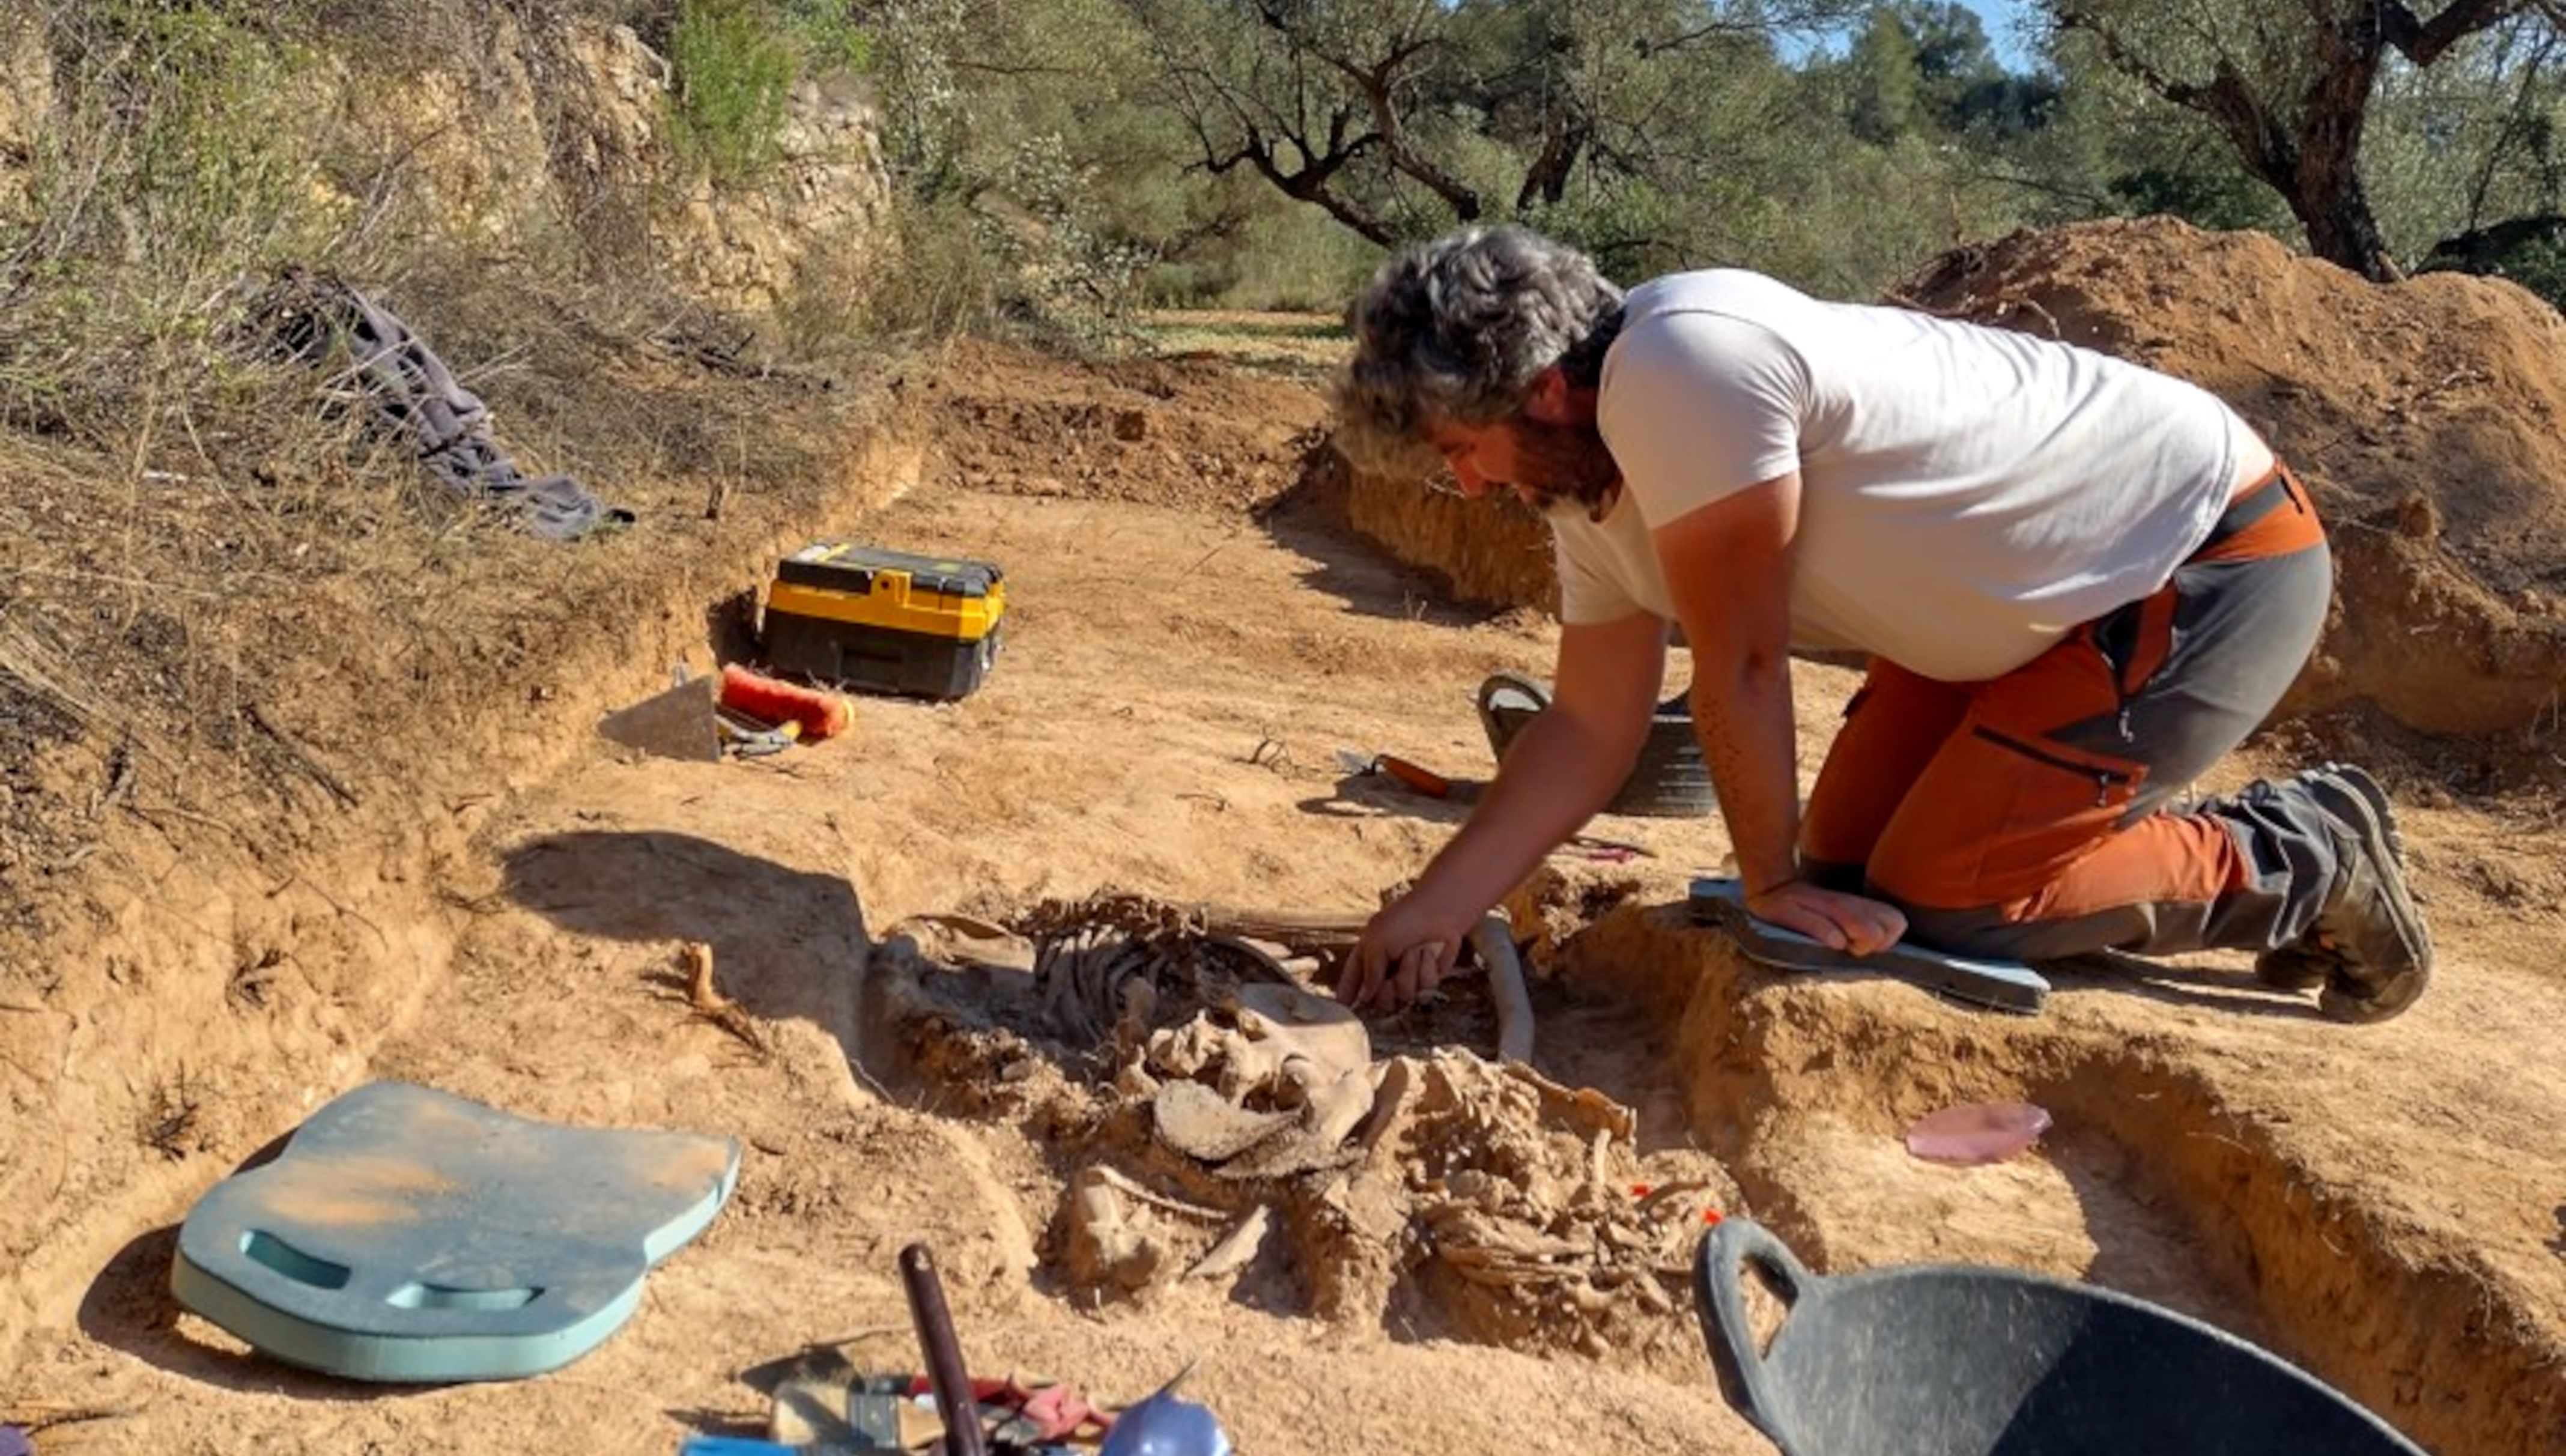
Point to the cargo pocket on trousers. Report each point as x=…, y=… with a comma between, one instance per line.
x=2138, y=640
x=1999, y=817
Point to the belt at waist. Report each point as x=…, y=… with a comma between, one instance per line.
x=2258, y=500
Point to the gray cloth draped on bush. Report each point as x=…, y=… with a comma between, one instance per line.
x=415, y=395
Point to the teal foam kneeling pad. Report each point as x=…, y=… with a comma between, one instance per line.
x=1998, y=984
x=407, y=1235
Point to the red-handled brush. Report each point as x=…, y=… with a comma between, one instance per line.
x=820, y=714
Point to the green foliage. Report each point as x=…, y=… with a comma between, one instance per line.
x=831, y=35
x=2205, y=194
x=1886, y=80
x=1658, y=134
x=1926, y=68
x=925, y=109
x=735, y=68
x=1018, y=127
x=2108, y=147
x=1089, y=153
x=186, y=135
x=2296, y=91
x=932, y=278
x=1066, y=271
x=2457, y=150
x=1281, y=257
x=736, y=63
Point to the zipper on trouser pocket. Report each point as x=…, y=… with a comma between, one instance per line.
x=2104, y=780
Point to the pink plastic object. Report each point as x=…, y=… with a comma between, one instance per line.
x=1979, y=1132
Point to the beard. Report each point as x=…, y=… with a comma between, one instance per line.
x=1560, y=464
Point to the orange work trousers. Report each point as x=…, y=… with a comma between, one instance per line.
x=2027, y=816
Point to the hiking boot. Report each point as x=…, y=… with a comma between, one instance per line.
x=2308, y=964
x=2298, y=966
x=2383, y=952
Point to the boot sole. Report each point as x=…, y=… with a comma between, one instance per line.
x=2355, y=799
x=2295, y=967
x=2358, y=779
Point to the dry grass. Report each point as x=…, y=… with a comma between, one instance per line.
x=217, y=582
x=1289, y=343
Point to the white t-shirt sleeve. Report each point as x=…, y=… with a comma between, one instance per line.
x=1696, y=407
x=1589, y=592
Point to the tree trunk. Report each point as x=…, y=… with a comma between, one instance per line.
x=2342, y=230
x=1546, y=180
x=2325, y=189
x=2325, y=192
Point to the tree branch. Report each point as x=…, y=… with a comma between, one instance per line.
x=2424, y=41
x=2228, y=102
x=1000, y=68
x=1308, y=182
x=1378, y=83
x=1808, y=15
x=1564, y=139
x=2516, y=121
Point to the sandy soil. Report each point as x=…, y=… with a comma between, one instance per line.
x=1189, y=645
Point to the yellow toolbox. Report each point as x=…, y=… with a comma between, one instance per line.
x=885, y=621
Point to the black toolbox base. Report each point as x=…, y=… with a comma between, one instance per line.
x=872, y=659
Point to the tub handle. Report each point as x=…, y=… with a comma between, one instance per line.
x=1719, y=1291
x=1492, y=722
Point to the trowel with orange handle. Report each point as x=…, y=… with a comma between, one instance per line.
x=1408, y=773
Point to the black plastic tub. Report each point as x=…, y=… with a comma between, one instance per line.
x=1669, y=780
x=1962, y=1360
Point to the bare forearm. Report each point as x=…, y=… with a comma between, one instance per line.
x=1748, y=740
x=1555, y=776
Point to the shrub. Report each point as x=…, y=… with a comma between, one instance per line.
x=736, y=63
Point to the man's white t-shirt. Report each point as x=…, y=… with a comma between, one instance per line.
x=1968, y=494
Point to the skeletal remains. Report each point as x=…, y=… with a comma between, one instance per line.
x=1514, y=1187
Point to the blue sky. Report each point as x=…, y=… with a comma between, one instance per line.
x=2002, y=19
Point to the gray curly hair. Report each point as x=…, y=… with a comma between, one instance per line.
x=1456, y=329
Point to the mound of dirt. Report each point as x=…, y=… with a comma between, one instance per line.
x=1145, y=430
x=2425, y=416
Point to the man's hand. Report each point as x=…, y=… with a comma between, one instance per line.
x=1405, y=951
x=1562, y=768
x=1832, y=919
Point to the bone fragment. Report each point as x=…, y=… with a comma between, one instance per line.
x=1496, y=945
x=1305, y=930
x=1139, y=1192
x=1236, y=1248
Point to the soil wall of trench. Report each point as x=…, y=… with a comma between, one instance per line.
x=210, y=953
x=1492, y=554
x=2431, y=1338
